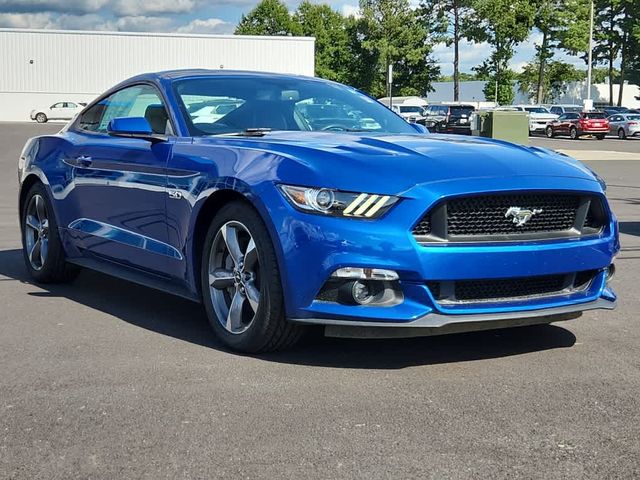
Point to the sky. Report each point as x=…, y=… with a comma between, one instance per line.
x=202, y=16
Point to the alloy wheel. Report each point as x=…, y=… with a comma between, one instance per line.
x=36, y=233
x=234, y=277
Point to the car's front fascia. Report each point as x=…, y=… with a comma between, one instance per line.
x=314, y=247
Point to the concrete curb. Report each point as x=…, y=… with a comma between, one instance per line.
x=601, y=155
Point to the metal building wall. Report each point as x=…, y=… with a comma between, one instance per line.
x=45, y=66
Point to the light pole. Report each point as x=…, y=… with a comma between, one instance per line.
x=588, y=104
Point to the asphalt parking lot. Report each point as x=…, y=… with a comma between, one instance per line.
x=105, y=379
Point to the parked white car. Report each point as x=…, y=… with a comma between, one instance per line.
x=539, y=116
x=411, y=113
x=57, y=111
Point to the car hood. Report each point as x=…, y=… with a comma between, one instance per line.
x=396, y=163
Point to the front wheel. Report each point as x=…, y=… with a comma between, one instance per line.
x=549, y=132
x=573, y=133
x=44, y=255
x=241, y=286
x=622, y=134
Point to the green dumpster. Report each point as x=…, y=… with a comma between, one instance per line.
x=505, y=125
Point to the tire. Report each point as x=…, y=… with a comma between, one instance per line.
x=600, y=136
x=41, y=118
x=42, y=248
x=549, y=132
x=573, y=133
x=622, y=134
x=246, y=306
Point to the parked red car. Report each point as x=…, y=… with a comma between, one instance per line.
x=577, y=124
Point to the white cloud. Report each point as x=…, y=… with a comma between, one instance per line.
x=26, y=20
x=140, y=24
x=349, y=10
x=145, y=7
x=208, y=25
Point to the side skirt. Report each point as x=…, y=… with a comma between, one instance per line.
x=136, y=276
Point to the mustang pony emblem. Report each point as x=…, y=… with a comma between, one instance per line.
x=521, y=215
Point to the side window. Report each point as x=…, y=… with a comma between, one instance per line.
x=562, y=117
x=70, y=105
x=58, y=105
x=135, y=101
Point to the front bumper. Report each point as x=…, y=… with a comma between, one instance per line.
x=312, y=247
x=438, y=324
x=538, y=125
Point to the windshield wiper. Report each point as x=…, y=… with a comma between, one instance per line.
x=247, y=132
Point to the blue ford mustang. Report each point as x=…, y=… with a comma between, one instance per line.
x=282, y=201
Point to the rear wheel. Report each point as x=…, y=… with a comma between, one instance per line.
x=241, y=286
x=44, y=255
x=573, y=133
x=622, y=134
x=41, y=118
x=549, y=132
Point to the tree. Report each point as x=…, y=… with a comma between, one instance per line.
x=556, y=80
x=607, y=34
x=332, y=59
x=269, y=17
x=389, y=32
x=630, y=36
x=503, y=24
x=446, y=19
x=633, y=63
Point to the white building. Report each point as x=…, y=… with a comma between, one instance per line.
x=42, y=67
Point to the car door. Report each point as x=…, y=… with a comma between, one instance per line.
x=614, y=123
x=70, y=109
x=119, y=184
x=558, y=124
x=56, y=111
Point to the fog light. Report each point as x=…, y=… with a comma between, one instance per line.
x=611, y=271
x=361, y=293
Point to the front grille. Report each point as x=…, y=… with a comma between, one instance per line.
x=511, y=216
x=424, y=227
x=486, y=215
x=505, y=289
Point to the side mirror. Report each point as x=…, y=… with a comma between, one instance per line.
x=419, y=128
x=133, y=127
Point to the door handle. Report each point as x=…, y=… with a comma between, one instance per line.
x=84, y=161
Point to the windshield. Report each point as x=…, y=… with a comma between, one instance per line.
x=536, y=109
x=225, y=105
x=595, y=115
x=573, y=109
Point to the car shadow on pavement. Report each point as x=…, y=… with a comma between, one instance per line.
x=179, y=318
x=630, y=228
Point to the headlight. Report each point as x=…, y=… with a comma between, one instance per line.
x=327, y=201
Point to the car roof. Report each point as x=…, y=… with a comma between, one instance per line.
x=202, y=72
